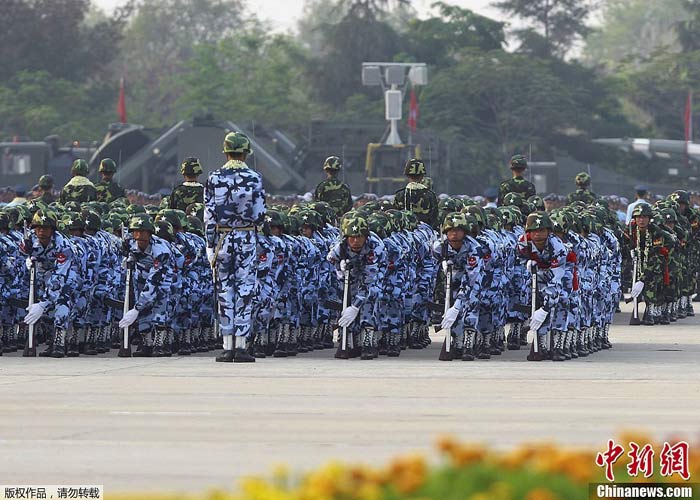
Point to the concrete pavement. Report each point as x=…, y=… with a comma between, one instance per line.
x=187, y=423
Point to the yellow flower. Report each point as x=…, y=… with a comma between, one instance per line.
x=541, y=494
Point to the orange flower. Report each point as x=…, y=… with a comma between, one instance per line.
x=541, y=494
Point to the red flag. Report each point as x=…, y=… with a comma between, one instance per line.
x=121, y=104
x=689, y=116
x=413, y=113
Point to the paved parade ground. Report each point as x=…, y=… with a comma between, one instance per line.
x=187, y=423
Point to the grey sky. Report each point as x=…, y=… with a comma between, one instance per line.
x=284, y=13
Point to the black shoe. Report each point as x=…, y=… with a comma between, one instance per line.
x=73, y=351
x=280, y=351
x=185, y=350
x=225, y=357
x=143, y=351
x=89, y=349
x=468, y=354
x=46, y=353
x=242, y=356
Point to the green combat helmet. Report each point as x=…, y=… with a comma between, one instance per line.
x=355, y=226
x=73, y=221
x=195, y=225
x=643, y=210
x=46, y=182
x=79, y=167
x=141, y=222
x=538, y=220
x=583, y=179
x=455, y=220
x=164, y=229
x=332, y=163
x=93, y=221
x=108, y=166
x=190, y=166
x=518, y=162
x=668, y=215
x=235, y=142
x=45, y=218
x=414, y=166
x=135, y=209
x=380, y=224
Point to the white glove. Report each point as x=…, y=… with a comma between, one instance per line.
x=348, y=316
x=531, y=265
x=34, y=313
x=211, y=253
x=538, y=319
x=340, y=275
x=129, y=318
x=29, y=263
x=445, y=265
x=637, y=289
x=343, y=265
x=449, y=318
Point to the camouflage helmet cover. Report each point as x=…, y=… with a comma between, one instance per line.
x=538, y=220
x=141, y=222
x=642, y=210
x=518, y=162
x=46, y=181
x=332, y=163
x=45, y=218
x=191, y=166
x=455, y=220
x=355, y=226
x=414, y=166
x=583, y=179
x=236, y=142
x=79, y=167
x=108, y=166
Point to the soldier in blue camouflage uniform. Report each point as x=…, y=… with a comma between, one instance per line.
x=234, y=201
x=153, y=276
x=462, y=254
x=546, y=256
x=57, y=277
x=363, y=254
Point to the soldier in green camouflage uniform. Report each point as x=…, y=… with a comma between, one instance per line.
x=583, y=192
x=46, y=188
x=690, y=220
x=79, y=188
x=191, y=191
x=333, y=191
x=416, y=197
x=517, y=184
x=107, y=189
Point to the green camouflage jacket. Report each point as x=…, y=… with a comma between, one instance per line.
x=185, y=194
x=78, y=189
x=516, y=185
x=109, y=191
x=335, y=193
x=420, y=200
x=583, y=195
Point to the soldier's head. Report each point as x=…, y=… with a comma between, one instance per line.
x=642, y=215
x=107, y=169
x=142, y=228
x=191, y=168
x=414, y=170
x=79, y=167
x=682, y=198
x=355, y=230
x=538, y=226
x=518, y=164
x=46, y=183
x=455, y=228
x=669, y=217
x=310, y=222
x=237, y=146
x=583, y=180
x=332, y=165
x=44, y=223
x=274, y=219
x=74, y=223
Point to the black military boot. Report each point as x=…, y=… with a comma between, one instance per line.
x=605, y=341
x=558, y=346
x=581, y=344
x=383, y=344
x=159, y=339
x=523, y=335
x=367, y=348
x=513, y=339
x=5, y=340
x=689, y=311
x=458, y=345
x=403, y=339
x=282, y=336
x=328, y=336
x=541, y=355
x=672, y=314
x=302, y=346
x=12, y=344
x=185, y=343
x=494, y=347
x=73, y=344
x=48, y=352
x=664, y=317
x=393, y=348
x=573, y=336
x=647, y=318
x=226, y=355
x=293, y=340
x=483, y=352
x=241, y=354
x=89, y=346
x=679, y=307
x=59, y=343
x=469, y=341
x=425, y=335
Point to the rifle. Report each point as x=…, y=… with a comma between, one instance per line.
x=445, y=354
x=343, y=348
x=125, y=351
x=634, y=320
x=533, y=286
x=30, y=348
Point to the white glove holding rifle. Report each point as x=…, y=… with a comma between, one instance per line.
x=348, y=316
x=637, y=289
x=449, y=318
x=538, y=319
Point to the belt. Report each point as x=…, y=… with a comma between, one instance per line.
x=224, y=229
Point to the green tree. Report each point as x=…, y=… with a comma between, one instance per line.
x=689, y=27
x=554, y=24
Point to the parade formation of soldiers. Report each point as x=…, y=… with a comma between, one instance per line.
x=218, y=267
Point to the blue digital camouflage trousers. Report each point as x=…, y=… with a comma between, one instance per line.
x=236, y=277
